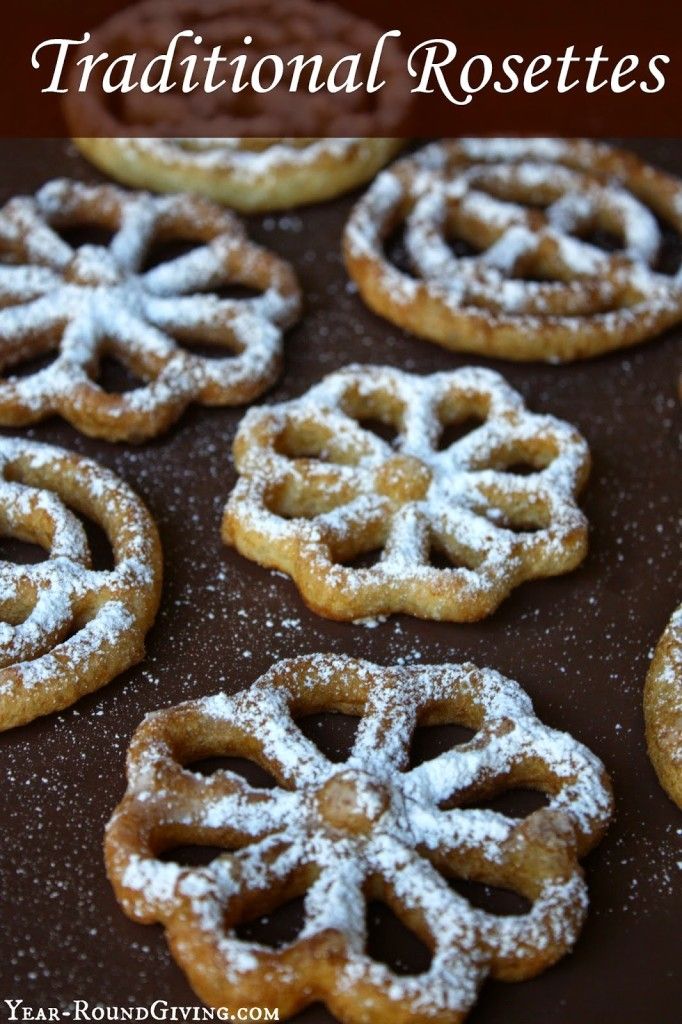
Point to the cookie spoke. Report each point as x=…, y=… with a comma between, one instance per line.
x=451, y=837
x=383, y=738
x=225, y=804
x=363, y=516
x=464, y=768
x=336, y=902
x=284, y=750
x=471, y=541
x=268, y=863
x=196, y=271
x=19, y=285
x=33, y=238
x=46, y=625
x=203, y=317
x=20, y=324
x=417, y=887
x=407, y=544
x=132, y=241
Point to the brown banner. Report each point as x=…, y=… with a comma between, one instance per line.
x=302, y=68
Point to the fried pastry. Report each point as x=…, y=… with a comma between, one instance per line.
x=249, y=175
x=524, y=277
x=82, y=302
x=67, y=629
x=663, y=708
x=436, y=527
x=343, y=834
x=253, y=150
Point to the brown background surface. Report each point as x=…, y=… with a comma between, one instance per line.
x=580, y=645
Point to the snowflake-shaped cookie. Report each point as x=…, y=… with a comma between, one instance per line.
x=456, y=523
x=342, y=834
x=85, y=302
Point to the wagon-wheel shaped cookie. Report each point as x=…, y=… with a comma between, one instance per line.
x=66, y=627
x=452, y=526
x=80, y=303
x=342, y=834
x=502, y=247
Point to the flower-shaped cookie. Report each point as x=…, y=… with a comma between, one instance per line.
x=68, y=628
x=342, y=834
x=87, y=301
x=457, y=523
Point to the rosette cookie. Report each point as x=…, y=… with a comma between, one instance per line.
x=80, y=303
x=473, y=495
x=68, y=628
x=339, y=835
x=663, y=708
x=520, y=248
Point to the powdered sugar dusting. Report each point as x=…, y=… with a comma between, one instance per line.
x=407, y=835
x=101, y=299
x=524, y=206
x=346, y=490
x=107, y=610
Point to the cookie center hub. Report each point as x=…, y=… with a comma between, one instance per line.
x=352, y=802
x=92, y=266
x=403, y=478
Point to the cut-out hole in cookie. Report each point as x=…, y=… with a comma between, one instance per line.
x=333, y=734
x=29, y=367
x=608, y=241
x=77, y=235
x=302, y=505
x=233, y=291
x=669, y=259
x=101, y=552
x=168, y=250
x=386, y=431
x=364, y=560
x=21, y=552
x=429, y=741
x=439, y=558
x=460, y=247
x=276, y=929
x=310, y=440
x=251, y=772
x=520, y=468
x=116, y=378
x=191, y=856
x=391, y=942
x=453, y=432
x=442, y=556
x=515, y=803
x=517, y=523
x=396, y=251
x=207, y=350
x=491, y=898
